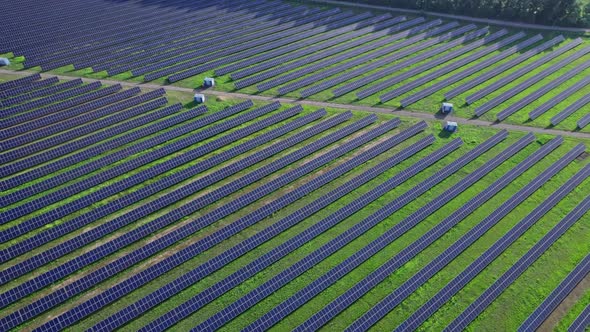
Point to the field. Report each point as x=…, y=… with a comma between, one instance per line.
x=92, y=228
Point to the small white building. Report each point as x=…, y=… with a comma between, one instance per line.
x=208, y=82
x=451, y=126
x=446, y=108
x=4, y=62
x=199, y=98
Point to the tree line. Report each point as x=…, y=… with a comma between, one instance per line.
x=574, y=13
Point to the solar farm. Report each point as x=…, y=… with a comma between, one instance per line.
x=273, y=165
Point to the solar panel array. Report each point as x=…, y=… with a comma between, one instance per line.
x=191, y=277
x=469, y=71
x=172, y=237
x=362, y=255
x=490, y=294
x=285, y=276
x=28, y=87
x=504, y=67
x=556, y=296
x=145, y=192
x=318, y=56
x=411, y=285
x=542, y=109
x=123, y=168
x=358, y=290
x=541, y=91
x=450, y=67
x=521, y=72
x=570, y=109
x=524, y=85
x=412, y=61
x=480, y=263
x=368, y=57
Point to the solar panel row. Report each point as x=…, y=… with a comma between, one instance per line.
x=284, y=67
x=369, y=57
x=584, y=121
x=438, y=60
x=138, y=213
x=570, y=109
x=557, y=295
x=408, y=287
x=138, y=177
x=502, y=68
x=59, y=127
x=363, y=254
x=191, y=277
x=263, y=261
x=377, y=276
x=581, y=323
x=529, y=82
x=508, y=277
x=450, y=67
x=537, y=112
x=481, y=262
x=122, y=288
x=417, y=58
x=469, y=71
x=521, y=72
x=541, y=91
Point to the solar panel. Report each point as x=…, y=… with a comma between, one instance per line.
x=521, y=72
x=506, y=279
x=540, y=92
x=529, y=82
x=151, y=189
x=503, y=67
x=39, y=93
x=408, y=287
x=584, y=121
x=377, y=276
x=557, y=295
x=480, y=263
